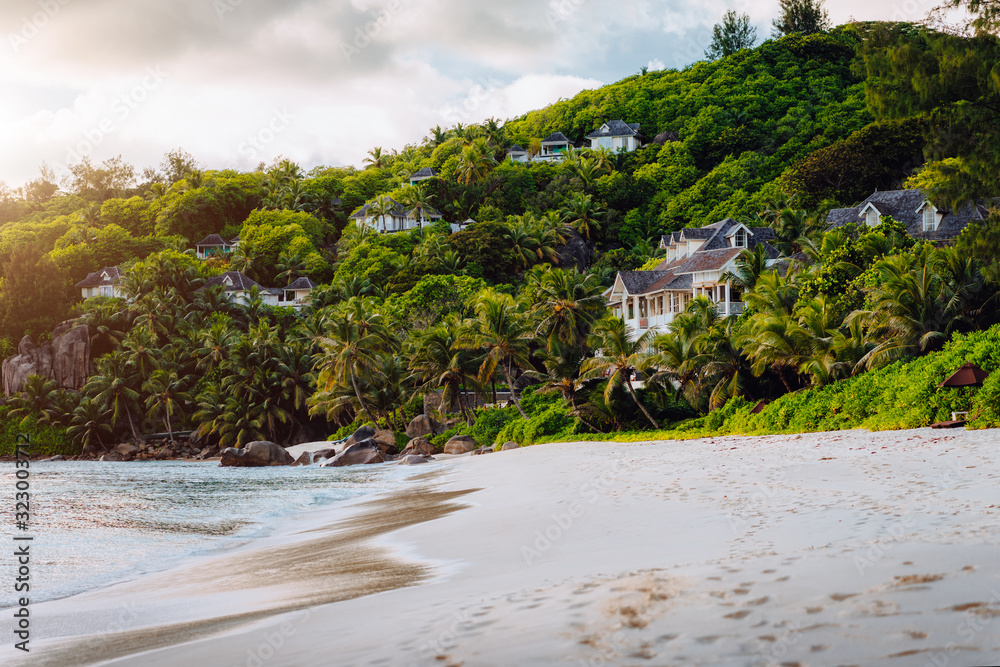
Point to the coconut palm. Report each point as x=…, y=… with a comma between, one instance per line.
x=618, y=359
x=501, y=331
x=567, y=304
x=89, y=424
x=167, y=396
x=439, y=363
x=356, y=335
x=750, y=264
x=583, y=214
x=115, y=387
x=475, y=162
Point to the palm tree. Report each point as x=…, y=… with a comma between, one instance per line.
x=356, y=336
x=115, y=388
x=436, y=360
x=475, y=162
x=501, y=331
x=167, y=396
x=290, y=266
x=378, y=209
x=562, y=374
x=38, y=398
x=750, y=264
x=416, y=200
x=619, y=357
x=89, y=423
x=583, y=214
x=568, y=303
x=377, y=158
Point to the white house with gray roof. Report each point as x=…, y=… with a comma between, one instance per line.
x=554, y=147
x=397, y=219
x=922, y=219
x=696, y=261
x=616, y=136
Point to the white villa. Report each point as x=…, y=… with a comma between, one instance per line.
x=422, y=175
x=554, y=146
x=923, y=220
x=616, y=136
x=517, y=154
x=102, y=283
x=298, y=293
x=397, y=219
x=213, y=244
x=696, y=260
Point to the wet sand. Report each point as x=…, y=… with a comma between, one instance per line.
x=846, y=548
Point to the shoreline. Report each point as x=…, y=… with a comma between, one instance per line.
x=845, y=547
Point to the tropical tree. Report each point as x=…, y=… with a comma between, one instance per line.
x=735, y=33
x=475, y=162
x=89, y=424
x=356, y=336
x=167, y=395
x=501, y=332
x=618, y=358
x=583, y=214
x=804, y=16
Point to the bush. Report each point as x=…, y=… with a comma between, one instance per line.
x=45, y=440
x=489, y=423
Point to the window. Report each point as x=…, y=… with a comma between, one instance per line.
x=871, y=218
x=930, y=218
x=740, y=239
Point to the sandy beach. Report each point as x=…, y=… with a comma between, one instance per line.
x=846, y=548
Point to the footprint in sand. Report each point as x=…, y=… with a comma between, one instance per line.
x=840, y=597
x=707, y=639
x=737, y=615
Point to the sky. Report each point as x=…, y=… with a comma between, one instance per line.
x=321, y=82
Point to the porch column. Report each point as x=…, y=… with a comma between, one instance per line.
x=727, y=299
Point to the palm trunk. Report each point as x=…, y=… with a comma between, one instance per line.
x=576, y=412
x=170, y=431
x=631, y=391
x=131, y=425
x=357, y=392
x=513, y=398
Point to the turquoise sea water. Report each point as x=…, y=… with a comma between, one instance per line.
x=95, y=524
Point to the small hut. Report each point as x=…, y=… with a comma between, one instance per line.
x=969, y=375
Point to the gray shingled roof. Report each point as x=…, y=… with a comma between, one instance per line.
x=240, y=283
x=556, y=138
x=426, y=172
x=97, y=279
x=903, y=206
x=638, y=282
x=302, y=283
x=616, y=128
x=213, y=239
x=516, y=149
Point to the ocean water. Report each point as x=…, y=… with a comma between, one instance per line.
x=95, y=524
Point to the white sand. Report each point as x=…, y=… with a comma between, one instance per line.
x=843, y=548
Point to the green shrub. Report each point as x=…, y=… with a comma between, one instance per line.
x=44, y=440
x=489, y=423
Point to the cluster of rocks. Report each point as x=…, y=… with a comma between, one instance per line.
x=158, y=452
x=366, y=446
